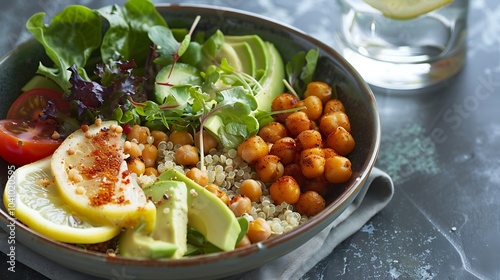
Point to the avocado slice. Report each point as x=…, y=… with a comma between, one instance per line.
x=258, y=48
x=268, y=63
x=269, y=69
x=169, y=236
x=272, y=79
x=171, y=200
x=134, y=243
x=207, y=213
x=243, y=59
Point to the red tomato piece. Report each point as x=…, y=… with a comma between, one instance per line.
x=24, y=142
x=31, y=103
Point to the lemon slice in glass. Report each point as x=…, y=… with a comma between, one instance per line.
x=406, y=9
x=30, y=196
x=92, y=177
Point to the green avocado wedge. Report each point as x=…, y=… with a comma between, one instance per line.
x=264, y=59
x=170, y=199
x=169, y=236
x=207, y=213
x=272, y=79
x=242, y=59
x=136, y=244
x=258, y=50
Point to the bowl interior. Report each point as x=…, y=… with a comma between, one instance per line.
x=19, y=65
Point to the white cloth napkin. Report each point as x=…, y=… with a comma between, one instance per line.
x=375, y=195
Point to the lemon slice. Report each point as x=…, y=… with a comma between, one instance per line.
x=31, y=196
x=92, y=177
x=406, y=9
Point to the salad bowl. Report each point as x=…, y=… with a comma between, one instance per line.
x=332, y=69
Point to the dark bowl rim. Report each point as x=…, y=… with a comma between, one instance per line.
x=279, y=242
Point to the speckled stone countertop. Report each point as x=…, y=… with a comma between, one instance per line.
x=444, y=220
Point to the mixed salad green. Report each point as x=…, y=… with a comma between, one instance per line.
x=125, y=63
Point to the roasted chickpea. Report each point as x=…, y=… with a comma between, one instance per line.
x=258, y=230
x=251, y=189
x=319, y=185
x=252, y=149
x=243, y=242
x=310, y=203
x=333, y=105
x=297, y=122
x=338, y=169
x=149, y=155
x=319, y=89
x=139, y=133
x=273, y=131
x=240, y=205
x=341, y=141
x=309, y=139
x=312, y=165
x=136, y=165
x=135, y=130
x=159, y=136
x=209, y=141
x=131, y=148
x=198, y=176
x=314, y=107
x=286, y=149
x=312, y=151
x=294, y=171
x=213, y=188
x=187, y=155
x=181, y=137
x=285, y=189
x=329, y=123
x=269, y=168
x=151, y=171
x=283, y=101
x=329, y=152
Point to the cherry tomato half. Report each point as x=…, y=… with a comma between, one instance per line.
x=30, y=104
x=23, y=142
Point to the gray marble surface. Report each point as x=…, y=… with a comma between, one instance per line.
x=444, y=220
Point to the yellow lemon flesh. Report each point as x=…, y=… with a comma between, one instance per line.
x=92, y=177
x=30, y=196
x=406, y=9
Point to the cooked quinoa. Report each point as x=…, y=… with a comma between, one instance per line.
x=227, y=170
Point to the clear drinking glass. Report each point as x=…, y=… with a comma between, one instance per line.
x=403, y=44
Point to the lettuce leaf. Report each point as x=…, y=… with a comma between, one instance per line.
x=69, y=39
x=127, y=36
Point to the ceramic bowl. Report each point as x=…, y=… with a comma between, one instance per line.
x=16, y=68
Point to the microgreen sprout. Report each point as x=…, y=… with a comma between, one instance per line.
x=181, y=47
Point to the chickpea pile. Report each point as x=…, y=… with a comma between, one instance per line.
x=303, y=154
x=295, y=160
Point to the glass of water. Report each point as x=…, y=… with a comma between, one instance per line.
x=403, y=44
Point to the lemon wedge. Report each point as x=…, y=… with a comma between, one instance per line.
x=92, y=177
x=406, y=9
x=31, y=196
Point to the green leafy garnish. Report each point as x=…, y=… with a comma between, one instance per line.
x=127, y=36
x=198, y=245
x=232, y=107
x=300, y=70
x=69, y=39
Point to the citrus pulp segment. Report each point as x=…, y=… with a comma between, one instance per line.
x=406, y=9
x=91, y=176
x=31, y=196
